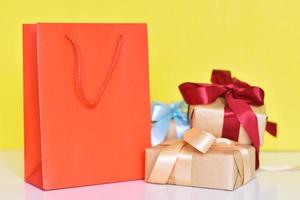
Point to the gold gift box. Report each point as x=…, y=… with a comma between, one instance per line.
x=210, y=117
x=224, y=168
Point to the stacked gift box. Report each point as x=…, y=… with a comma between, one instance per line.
x=220, y=150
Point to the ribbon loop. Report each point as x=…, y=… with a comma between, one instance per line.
x=200, y=140
x=162, y=114
x=221, y=77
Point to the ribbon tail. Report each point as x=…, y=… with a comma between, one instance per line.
x=271, y=128
x=248, y=120
x=159, y=130
x=231, y=125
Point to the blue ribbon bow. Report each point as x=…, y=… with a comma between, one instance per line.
x=162, y=114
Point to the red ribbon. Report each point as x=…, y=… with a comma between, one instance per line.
x=238, y=96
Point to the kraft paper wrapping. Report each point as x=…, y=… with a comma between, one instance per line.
x=215, y=169
x=171, y=133
x=210, y=118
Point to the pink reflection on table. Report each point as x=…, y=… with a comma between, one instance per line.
x=132, y=190
x=139, y=190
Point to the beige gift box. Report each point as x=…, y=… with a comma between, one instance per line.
x=197, y=160
x=210, y=118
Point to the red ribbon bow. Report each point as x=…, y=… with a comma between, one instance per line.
x=238, y=96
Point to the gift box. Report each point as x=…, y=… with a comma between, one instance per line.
x=210, y=117
x=201, y=160
x=228, y=108
x=169, y=121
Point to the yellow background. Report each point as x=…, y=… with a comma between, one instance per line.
x=258, y=40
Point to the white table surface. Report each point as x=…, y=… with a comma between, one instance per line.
x=266, y=185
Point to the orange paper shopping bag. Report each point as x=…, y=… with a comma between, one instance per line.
x=86, y=103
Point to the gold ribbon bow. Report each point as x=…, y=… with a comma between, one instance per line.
x=179, y=152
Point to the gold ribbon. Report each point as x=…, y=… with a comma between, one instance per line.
x=178, y=154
